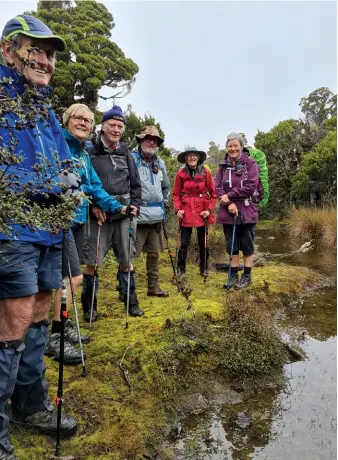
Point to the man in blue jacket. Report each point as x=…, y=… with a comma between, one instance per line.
x=30, y=258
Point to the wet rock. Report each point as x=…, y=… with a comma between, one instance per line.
x=271, y=237
x=242, y=420
x=259, y=260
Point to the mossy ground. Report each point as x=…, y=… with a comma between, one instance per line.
x=169, y=347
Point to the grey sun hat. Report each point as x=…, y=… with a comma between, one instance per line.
x=192, y=149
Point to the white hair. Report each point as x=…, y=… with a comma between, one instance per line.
x=237, y=137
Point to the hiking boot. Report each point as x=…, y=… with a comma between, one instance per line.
x=87, y=296
x=71, y=334
x=134, y=309
x=86, y=316
x=5, y=455
x=45, y=421
x=71, y=355
x=156, y=291
x=153, y=278
x=243, y=282
x=121, y=296
x=233, y=280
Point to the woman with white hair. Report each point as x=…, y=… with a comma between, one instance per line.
x=237, y=184
x=78, y=120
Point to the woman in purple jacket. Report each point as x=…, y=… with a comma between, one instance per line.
x=236, y=186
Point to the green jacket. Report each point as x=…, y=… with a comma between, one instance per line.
x=260, y=157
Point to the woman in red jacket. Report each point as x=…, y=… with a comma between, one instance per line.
x=194, y=199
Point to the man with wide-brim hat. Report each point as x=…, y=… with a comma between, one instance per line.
x=155, y=194
x=194, y=199
x=150, y=132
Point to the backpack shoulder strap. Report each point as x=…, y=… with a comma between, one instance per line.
x=137, y=157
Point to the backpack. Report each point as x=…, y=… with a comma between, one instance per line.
x=261, y=196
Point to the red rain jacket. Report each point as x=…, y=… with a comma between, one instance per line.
x=194, y=195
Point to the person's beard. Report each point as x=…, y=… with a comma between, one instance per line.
x=148, y=154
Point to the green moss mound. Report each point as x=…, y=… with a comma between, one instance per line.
x=171, y=346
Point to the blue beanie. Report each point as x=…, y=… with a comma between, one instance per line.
x=114, y=113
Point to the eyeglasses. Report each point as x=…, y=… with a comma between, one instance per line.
x=151, y=139
x=79, y=119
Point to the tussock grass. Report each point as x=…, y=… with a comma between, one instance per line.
x=319, y=224
x=251, y=344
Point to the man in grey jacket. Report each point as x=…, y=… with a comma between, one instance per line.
x=155, y=193
x=116, y=169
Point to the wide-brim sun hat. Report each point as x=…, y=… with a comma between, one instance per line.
x=31, y=27
x=150, y=131
x=181, y=156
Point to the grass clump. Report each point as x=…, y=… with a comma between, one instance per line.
x=319, y=224
x=251, y=343
x=243, y=343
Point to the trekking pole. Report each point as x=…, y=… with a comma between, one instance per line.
x=177, y=241
x=99, y=223
x=130, y=234
x=205, y=274
x=84, y=372
x=232, y=250
x=170, y=254
x=63, y=316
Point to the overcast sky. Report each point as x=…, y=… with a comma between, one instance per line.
x=209, y=68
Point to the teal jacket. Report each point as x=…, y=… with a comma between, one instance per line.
x=91, y=184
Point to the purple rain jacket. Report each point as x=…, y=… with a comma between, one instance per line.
x=240, y=182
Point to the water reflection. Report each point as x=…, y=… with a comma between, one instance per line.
x=314, y=314
x=307, y=429
x=248, y=425
x=298, y=421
